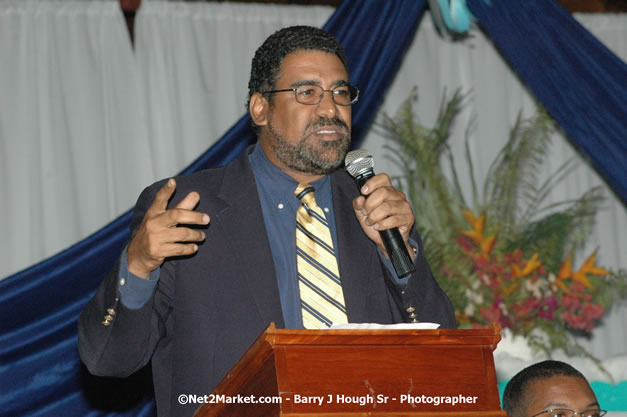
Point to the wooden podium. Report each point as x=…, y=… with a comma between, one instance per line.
x=332, y=373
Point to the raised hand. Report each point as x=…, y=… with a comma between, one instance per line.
x=158, y=236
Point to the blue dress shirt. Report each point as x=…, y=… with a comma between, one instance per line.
x=279, y=206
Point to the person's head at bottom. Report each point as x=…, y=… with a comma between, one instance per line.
x=550, y=389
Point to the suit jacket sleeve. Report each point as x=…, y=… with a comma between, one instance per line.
x=125, y=344
x=424, y=295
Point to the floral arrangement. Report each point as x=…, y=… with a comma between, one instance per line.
x=501, y=257
x=519, y=292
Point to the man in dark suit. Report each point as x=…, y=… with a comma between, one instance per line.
x=213, y=257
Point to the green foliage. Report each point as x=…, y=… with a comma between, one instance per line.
x=505, y=258
x=418, y=151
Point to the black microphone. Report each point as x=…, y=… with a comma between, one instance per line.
x=359, y=164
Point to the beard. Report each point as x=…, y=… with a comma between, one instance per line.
x=312, y=155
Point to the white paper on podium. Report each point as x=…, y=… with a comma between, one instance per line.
x=405, y=326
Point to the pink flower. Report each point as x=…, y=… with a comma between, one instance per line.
x=570, y=302
x=480, y=263
x=577, y=288
x=494, y=283
x=591, y=311
x=549, y=305
x=527, y=307
x=465, y=244
x=546, y=315
x=575, y=321
x=586, y=320
x=516, y=257
x=492, y=314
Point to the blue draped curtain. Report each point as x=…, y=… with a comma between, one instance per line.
x=40, y=371
x=580, y=82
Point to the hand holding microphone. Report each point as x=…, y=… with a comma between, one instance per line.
x=383, y=212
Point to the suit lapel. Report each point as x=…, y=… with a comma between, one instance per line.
x=249, y=240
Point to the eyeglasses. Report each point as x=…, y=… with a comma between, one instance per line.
x=565, y=412
x=344, y=95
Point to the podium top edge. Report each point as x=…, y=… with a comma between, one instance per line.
x=490, y=336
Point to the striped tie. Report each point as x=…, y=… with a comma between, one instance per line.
x=321, y=296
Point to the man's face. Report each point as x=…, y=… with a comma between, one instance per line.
x=309, y=139
x=559, y=392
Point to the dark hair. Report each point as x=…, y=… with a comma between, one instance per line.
x=266, y=65
x=514, y=394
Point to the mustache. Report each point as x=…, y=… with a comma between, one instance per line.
x=327, y=121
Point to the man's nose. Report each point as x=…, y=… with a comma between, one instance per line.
x=327, y=105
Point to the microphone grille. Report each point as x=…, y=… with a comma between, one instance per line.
x=358, y=161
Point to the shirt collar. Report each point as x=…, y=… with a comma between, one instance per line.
x=275, y=180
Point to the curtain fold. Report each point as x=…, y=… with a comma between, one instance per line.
x=582, y=84
x=40, y=306
x=67, y=124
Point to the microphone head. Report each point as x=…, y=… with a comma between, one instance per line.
x=358, y=161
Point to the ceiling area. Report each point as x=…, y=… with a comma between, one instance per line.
x=573, y=6
x=129, y=7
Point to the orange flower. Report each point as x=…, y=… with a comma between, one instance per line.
x=512, y=288
x=565, y=272
x=566, y=269
x=476, y=234
x=477, y=223
x=487, y=244
x=562, y=286
x=588, y=267
x=531, y=265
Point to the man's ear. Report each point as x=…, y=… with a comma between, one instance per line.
x=258, y=109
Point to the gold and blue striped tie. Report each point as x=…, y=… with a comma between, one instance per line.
x=321, y=295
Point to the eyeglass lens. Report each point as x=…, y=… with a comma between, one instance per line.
x=312, y=94
x=571, y=413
